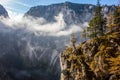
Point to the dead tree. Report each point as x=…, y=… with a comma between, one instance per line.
x=73, y=41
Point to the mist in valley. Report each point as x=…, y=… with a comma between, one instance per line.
x=30, y=47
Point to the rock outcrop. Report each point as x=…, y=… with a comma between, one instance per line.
x=3, y=11
x=95, y=59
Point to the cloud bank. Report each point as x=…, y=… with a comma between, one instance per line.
x=34, y=43
x=39, y=26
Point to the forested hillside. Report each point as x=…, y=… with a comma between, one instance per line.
x=99, y=57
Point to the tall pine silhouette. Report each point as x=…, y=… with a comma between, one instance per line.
x=97, y=25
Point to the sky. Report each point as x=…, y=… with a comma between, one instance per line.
x=19, y=7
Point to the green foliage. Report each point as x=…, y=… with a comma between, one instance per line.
x=113, y=20
x=117, y=16
x=97, y=25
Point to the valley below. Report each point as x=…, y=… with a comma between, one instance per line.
x=30, y=47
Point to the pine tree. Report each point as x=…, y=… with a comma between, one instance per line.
x=97, y=25
x=110, y=22
x=117, y=17
x=114, y=20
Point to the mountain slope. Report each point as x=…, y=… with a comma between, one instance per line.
x=25, y=56
x=73, y=13
x=3, y=11
x=95, y=59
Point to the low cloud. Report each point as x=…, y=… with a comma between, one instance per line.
x=35, y=39
x=40, y=26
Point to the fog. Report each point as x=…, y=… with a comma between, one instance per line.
x=33, y=43
x=40, y=26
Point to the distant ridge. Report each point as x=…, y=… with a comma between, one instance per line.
x=73, y=13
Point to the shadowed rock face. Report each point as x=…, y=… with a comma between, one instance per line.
x=24, y=56
x=73, y=13
x=3, y=12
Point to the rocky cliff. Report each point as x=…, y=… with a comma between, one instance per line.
x=95, y=59
x=73, y=13
x=3, y=11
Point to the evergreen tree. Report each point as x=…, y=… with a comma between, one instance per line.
x=114, y=20
x=117, y=17
x=97, y=25
x=110, y=22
